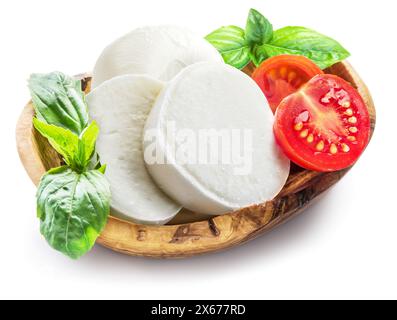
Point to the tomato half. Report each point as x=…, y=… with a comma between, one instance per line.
x=325, y=126
x=283, y=75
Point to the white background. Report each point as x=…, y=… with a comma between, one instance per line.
x=343, y=247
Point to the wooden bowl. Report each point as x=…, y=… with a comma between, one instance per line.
x=210, y=234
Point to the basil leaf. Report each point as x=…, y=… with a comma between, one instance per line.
x=73, y=209
x=102, y=169
x=258, y=55
x=230, y=42
x=95, y=162
x=76, y=151
x=321, y=49
x=59, y=100
x=258, y=30
x=65, y=142
x=87, y=143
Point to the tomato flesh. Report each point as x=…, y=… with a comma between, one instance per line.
x=283, y=75
x=325, y=126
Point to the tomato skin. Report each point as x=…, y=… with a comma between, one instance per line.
x=283, y=75
x=325, y=126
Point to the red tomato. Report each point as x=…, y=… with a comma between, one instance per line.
x=325, y=126
x=283, y=75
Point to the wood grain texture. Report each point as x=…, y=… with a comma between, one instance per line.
x=209, y=235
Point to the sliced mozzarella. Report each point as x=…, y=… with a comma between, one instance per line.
x=120, y=106
x=214, y=96
x=158, y=51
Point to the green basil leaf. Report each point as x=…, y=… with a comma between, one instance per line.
x=258, y=55
x=321, y=49
x=77, y=152
x=87, y=143
x=102, y=169
x=258, y=30
x=230, y=42
x=95, y=162
x=59, y=100
x=73, y=209
x=65, y=142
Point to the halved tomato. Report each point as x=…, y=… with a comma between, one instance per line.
x=283, y=75
x=325, y=126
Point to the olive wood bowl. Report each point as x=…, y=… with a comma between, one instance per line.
x=185, y=236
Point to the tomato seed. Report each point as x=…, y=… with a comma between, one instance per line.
x=291, y=76
x=320, y=146
x=304, y=133
x=353, y=120
x=345, y=148
x=298, y=126
x=346, y=104
x=283, y=72
x=333, y=149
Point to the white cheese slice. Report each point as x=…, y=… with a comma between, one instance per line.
x=158, y=51
x=120, y=106
x=204, y=97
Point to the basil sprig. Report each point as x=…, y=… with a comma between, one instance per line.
x=261, y=42
x=73, y=201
